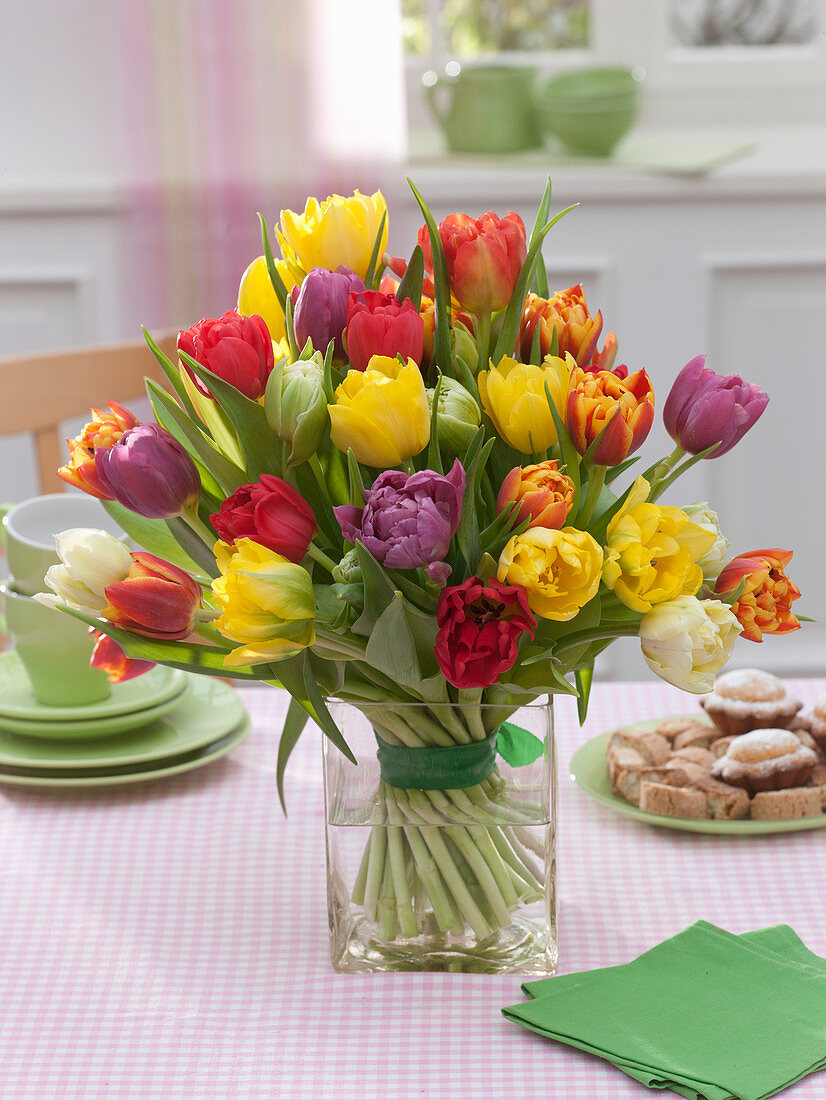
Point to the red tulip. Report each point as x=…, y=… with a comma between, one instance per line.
x=480, y=623
x=595, y=398
x=566, y=314
x=765, y=604
x=271, y=513
x=237, y=349
x=156, y=599
x=484, y=257
x=379, y=324
x=110, y=658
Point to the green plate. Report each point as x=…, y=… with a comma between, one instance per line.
x=89, y=728
x=589, y=770
x=204, y=712
x=17, y=699
x=128, y=775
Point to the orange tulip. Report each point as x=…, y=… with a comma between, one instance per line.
x=765, y=604
x=484, y=257
x=103, y=430
x=155, y=599
x=545, y=495
x=577, y=331
x=595, y=398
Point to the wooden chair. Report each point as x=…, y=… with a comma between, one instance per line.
x=40, y=391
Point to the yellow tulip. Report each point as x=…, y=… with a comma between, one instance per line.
x=513, y=395
x=337, y=231
x=652, y=552
x=256, y=295
x=381, y=413
x=266, y=602
x=560, y=570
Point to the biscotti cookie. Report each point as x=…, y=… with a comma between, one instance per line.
x=723, y=802
x=782, y=805
x=659, y=798
x=652, y=746
x=627, y=781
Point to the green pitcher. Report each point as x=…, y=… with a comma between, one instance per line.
x=486, y=108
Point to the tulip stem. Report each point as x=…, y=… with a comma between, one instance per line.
x=596, y=480
x=318, y=473
x=322, y=558
x=203, y=532
x=483, y=339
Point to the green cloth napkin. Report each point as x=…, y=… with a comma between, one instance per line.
x=708, y=1014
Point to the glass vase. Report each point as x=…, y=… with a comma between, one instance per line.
x=449, y=878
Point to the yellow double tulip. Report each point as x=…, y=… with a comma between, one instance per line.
x=513, y=395
x=256, y=296
x=560, y=570
x=340, y=230
x=266, y=602
x=381, y=413
x=652, y=552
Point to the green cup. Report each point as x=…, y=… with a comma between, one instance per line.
x=28, y=531
x=55, y=650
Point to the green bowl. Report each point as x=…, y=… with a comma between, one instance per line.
x=605, y=82
x=591, y=110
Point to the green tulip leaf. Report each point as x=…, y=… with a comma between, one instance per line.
x=513, y=312
x=298, y=712
x=321, y=714
x=539, y=279
x=411, y=283
x=152, y=535
x=434, y=454
x=171, y=371
x=442, y=355
x=379, y=591
x=248, y=419
x=374, y=256
x=276, y=280
x=583, y=678
x=517, y=746
x=402, y=643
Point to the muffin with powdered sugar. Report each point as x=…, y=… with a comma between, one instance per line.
x=765, y=760
x=747, y=699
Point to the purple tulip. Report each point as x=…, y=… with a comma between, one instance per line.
x=149, y=472
x=407, y=519
x=320, y=307
x=704, y=408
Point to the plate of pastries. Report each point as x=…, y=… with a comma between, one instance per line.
x=751, y=760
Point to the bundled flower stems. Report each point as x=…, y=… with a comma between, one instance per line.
x=433, y=457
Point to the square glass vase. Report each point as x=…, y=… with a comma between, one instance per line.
x=448, y=878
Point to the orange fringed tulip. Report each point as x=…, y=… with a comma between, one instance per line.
x=765, y=604
x=103, y=430
x=577, y=331
x=595, y=398
x=545, y=495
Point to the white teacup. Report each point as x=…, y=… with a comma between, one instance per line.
x=28, y=531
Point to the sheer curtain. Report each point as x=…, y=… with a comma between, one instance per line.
x=229, y=108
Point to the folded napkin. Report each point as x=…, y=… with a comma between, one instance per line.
x=708, y=1014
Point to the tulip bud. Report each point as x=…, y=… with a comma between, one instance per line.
x=320, y=308
x=237, y=349
x=348, y=570
x=459, y=416
x=149, y=472
x=156, y=599
x=704, y=408
x=103, y=430
x=296, y=405
x=91, y=560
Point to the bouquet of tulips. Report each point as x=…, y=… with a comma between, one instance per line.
x=408, y=482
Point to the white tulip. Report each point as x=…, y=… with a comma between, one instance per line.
x=712, y=561
x=687, y=641
x=92, y=560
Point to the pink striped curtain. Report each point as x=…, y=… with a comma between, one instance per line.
x=234, y=106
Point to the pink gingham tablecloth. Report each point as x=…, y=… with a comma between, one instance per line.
x=170, y=940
